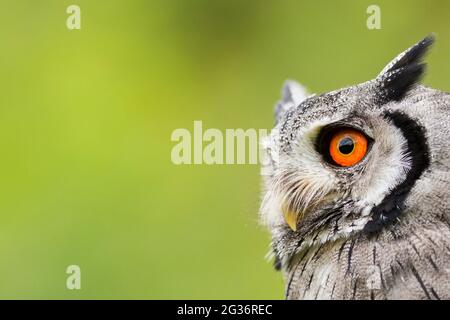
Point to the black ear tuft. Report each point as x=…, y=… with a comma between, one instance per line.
x=396, y=84
x=410, y=56
x=404, y=71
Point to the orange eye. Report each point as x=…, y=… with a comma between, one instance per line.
x=348, y=147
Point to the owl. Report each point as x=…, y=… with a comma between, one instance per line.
x=356, y=187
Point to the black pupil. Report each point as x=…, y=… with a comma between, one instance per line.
x=346, y=145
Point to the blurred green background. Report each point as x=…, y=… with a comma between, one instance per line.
x=86, y=118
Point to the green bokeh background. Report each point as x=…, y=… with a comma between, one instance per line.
x=86, y=117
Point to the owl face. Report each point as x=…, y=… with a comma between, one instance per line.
x=344, y=161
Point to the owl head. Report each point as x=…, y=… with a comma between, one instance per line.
x=358, y=159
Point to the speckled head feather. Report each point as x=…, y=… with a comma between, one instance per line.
x=379, y=227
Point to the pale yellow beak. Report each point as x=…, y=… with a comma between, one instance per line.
x=291, y=218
